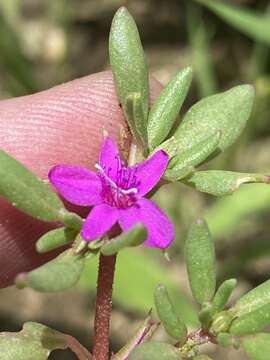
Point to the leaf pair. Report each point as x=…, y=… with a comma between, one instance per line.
x=149, y=127
x=209, y=127
x=64, y=271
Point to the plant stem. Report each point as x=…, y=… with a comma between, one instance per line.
x=81, y=352
x=103, y=307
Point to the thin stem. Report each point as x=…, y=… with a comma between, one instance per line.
x=103, y=307
x=81, y=352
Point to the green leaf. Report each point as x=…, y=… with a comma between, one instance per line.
x=251, y=323
x=227, y=112
x=253, y=300
x=250, y=23
x=223, y=294
x=220, y=183
x=173, y=325
x=192, y=157
x=166, y=107
x=136, y=236
x=27, y=192
x=257, y=346
x=33, y=342
x=71, y=220
x=173, y=175
x=143, y=267
x=200, y=259
x=140, y=336
x=227, y=340
x=129, y=68
x=135, y=116
x=59, y=274
x=55, y=238
x=155, y=351
x=206, y=314
x=221, y=322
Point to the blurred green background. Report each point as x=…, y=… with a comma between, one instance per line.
x=44, y=43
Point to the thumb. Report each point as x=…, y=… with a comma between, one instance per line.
x=60, y=125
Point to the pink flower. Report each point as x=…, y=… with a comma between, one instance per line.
x=116, y=192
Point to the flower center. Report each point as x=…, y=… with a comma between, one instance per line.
x=121, y=192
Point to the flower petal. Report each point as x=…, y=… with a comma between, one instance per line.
x=109, y=158
x=159, y=227
x=99, y=221
x=78, y=185
x=149, y=172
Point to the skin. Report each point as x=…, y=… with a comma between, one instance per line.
x=61, y=125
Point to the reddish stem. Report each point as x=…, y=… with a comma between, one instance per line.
x=81, y=352
x=103, y=307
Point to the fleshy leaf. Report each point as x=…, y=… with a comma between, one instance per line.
x=173, y=325
x=223, y=294
x=33, y=342
x=155, y=351
x=143, y=333
x=221, y=322
x=257, y=346
x=173, y=175
x=71, y=220
x=220, y=183
x=129, y=67
x=135, y=116
x=197, y=154
x=55, y=238
x=136, y=236
x=200, y=259
x=253, y=300
x=206, y=314
x=227, y=112
x=59, y=274
x=166, y=107
x=250, y=23
x=227, y=340
x=251, y=323
x=192, y=157
x=27, y=192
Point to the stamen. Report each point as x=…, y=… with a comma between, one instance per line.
x=110, y=181
x=129, y=191
x=97, y=166
x=120, y=193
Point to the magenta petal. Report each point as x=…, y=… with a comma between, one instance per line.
x=109, y=158
x=78, y=185
x=159, y=227
x=149, y=172
x=99, y=221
